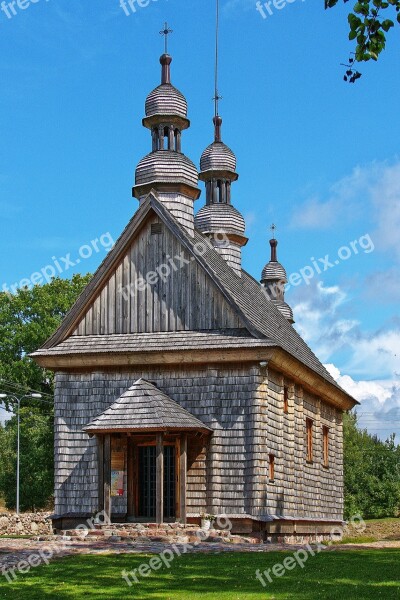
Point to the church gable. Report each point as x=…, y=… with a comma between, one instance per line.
x=157, y=286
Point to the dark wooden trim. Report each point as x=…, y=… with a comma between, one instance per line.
x=100, y=467
x=107, y=476
x=160, y=479
x=182, y=478
x=130, y=478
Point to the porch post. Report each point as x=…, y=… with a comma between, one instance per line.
x=107, y=477
x=183, y=477
x=160, y=478
x=100, y=471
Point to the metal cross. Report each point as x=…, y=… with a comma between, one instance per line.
x=216, y=100
x=273, y=228
x=165, y=32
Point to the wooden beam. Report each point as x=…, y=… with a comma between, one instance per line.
x=183, y=478
x=130, y=478
x=100, y=471
x=107, y=477
x=160, y=478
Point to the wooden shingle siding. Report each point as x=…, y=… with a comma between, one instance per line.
x=184, y=300
x=227, y=473
x=299, y=489
x=221, y=398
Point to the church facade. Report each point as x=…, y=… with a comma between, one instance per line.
x=181, y=387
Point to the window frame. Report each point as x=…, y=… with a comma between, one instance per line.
x=325, y=446
x=271, y=467
x=309, y=440
x=285, y=399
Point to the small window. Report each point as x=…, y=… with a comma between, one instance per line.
x=271, y=467
x=325, y=447
x=156, y=228
x=285, y=399
x=309, y=431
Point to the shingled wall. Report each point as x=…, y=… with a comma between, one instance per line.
x=244, y=407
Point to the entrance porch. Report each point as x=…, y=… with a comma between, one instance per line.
x=142, y=442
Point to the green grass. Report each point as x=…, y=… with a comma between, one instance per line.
x=331, y=575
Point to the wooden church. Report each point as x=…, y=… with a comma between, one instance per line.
x=181, y=386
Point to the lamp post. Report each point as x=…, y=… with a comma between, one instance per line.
x=18, y=400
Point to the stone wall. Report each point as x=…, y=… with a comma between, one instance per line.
x=25, y=524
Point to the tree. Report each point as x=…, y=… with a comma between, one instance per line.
x=371, y=473
x=369, y=23
x=36, y=452
x=27, y=319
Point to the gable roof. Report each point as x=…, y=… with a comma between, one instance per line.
x=244, y=294
x=143, y=407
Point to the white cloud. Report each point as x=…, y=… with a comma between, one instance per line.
x=4, y=415
x=379, y=412
x=324, y=318
x=372, y=190
x=383, y=286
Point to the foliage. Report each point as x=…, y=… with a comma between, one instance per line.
x=371, y=473
x=369, y=23
x=27, y=319
x=36, y=452
x=354, y=575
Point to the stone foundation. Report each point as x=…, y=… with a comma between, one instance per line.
x=25, y=524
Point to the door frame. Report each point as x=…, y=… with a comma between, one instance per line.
x=133, y=484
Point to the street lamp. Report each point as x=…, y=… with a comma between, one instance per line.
x=18, y=401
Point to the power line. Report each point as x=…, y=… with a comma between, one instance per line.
x=19, y=386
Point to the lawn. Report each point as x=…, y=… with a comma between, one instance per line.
x=341, y=575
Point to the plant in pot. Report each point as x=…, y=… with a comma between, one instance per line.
x=207, y=520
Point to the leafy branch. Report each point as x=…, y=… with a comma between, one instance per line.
x=368, y=27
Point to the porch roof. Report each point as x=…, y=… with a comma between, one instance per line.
x=143, y=407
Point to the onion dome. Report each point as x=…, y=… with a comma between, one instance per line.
x=273, y=280
x=166, y=167
x=217, y=158
x=273, y=271
x=166, y=100
x=220, y=217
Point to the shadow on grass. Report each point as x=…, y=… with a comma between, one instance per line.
x=225, y=576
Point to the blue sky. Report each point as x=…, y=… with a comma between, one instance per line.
x=318, y=157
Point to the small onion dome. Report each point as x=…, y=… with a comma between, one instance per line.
x=163, y=166
x=218, y=157
x=166, y=101
x=273, y=271
x=220, y=217
x=285, y=310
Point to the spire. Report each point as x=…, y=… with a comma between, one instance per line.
x=219, y=220
x=274, y=279
x=217, y=128
x=165, y=61
x=166, y=169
